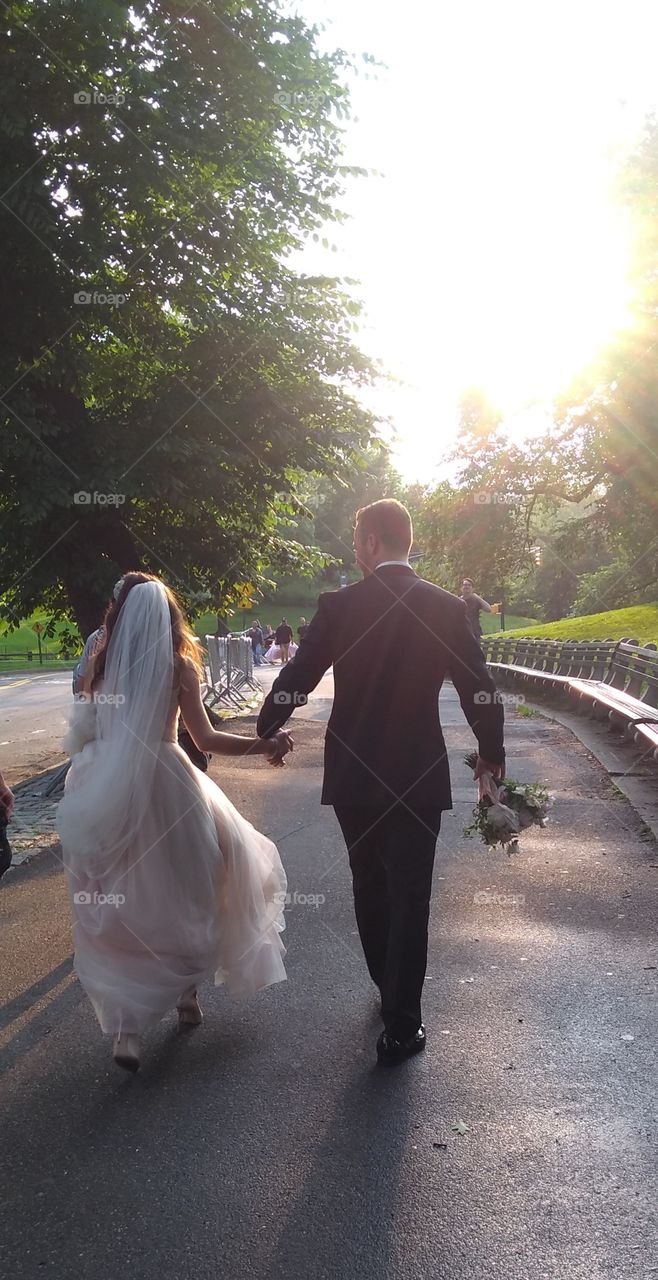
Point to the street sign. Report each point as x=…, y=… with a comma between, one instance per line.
x=37, y=628
x=244, y=596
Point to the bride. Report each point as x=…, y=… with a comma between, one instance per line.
x=170, y=885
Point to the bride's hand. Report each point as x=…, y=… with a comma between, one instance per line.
x=7, y=797
x=278, y=746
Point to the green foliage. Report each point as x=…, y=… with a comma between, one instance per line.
x=205, y=149
x=610, y=585
x=335, y=501
x=490, y=622
x=478, y=527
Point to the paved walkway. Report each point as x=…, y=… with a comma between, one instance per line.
x=521, y=1146
x=33, y=713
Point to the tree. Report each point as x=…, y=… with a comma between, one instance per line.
x=603, y=446
x=169, y=378
x=476, y=526
x=337, y=500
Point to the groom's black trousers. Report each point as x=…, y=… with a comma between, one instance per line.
x=392, y=858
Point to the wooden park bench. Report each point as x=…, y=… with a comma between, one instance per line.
x=546, y=664
x=628, y=693
x=614, y=679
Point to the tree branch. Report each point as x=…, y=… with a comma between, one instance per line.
x=558, y=491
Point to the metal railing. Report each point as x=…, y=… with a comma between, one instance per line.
x=230, y=671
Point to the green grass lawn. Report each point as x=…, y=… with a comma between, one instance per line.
x=640, y=622
x=21, y=640
x=491, y=622
x=25, y=638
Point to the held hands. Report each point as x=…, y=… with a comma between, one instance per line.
x=6, y=799
x=278, y=746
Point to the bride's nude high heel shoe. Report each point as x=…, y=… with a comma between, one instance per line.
x=189, y=1013
x=125, y=1051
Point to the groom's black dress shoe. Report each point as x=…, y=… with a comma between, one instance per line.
x=391, y=1051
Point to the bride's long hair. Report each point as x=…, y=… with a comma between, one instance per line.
x=184, y=641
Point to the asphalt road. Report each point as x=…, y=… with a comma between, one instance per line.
x=33, y=715
x=267, y=1143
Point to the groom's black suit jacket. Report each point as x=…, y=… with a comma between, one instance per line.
x=392, y=640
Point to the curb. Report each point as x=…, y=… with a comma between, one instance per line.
x=46, y=775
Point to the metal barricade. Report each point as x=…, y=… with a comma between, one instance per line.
x=231, y=670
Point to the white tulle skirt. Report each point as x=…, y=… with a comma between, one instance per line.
x=199, y=894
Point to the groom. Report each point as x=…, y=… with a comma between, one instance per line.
x=392, y=640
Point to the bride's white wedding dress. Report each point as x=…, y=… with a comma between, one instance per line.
x=170, y=885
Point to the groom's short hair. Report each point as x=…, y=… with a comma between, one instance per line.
x=389, y=520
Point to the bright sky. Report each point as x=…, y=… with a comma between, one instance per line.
x=489, y=253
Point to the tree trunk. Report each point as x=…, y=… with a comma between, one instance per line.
x=87, y=607
x=109, y=540
x=114, y=540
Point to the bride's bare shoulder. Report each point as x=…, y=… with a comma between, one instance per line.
x=187, y=673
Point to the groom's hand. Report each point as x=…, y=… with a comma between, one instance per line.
x=278, y=746
x=485, y=766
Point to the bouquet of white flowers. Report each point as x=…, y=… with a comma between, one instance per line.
x=506, y=808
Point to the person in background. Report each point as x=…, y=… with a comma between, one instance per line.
x=255, y=634
x=282, y=637
x=91, y=643
x=302, y=628
x=475, y=605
